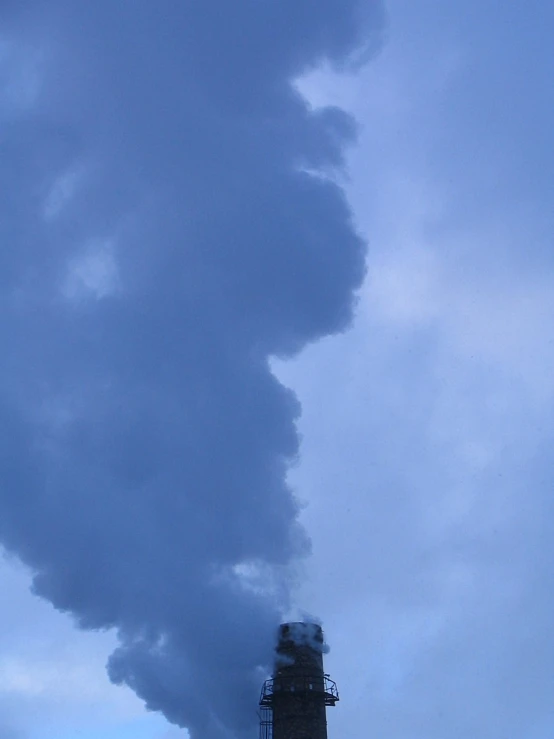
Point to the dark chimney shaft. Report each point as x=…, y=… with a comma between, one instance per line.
x=293, y=702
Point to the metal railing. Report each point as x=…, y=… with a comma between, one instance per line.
x=266, y=723
x=301, y=685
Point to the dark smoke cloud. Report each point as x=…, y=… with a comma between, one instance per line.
x=161, y=239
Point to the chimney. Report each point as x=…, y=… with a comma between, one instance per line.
x=293, y=702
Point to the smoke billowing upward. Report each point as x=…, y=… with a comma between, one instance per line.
x=161, y=239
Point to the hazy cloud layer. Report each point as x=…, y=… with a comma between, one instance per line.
x=428, y=429
x=162, y=238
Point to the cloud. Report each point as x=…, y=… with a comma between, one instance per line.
x=427, y=431
x=427, y=438
x=53, y=679
x=7, y=732
x=166, y=238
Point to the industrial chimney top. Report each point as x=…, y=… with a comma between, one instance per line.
x=294, y=700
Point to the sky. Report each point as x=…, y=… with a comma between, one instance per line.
x=424, y=475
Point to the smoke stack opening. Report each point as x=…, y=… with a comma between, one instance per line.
x=294, y=700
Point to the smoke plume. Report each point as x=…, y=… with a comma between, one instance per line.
x=163, y=236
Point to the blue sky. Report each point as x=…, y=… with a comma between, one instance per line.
x=424, y=475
